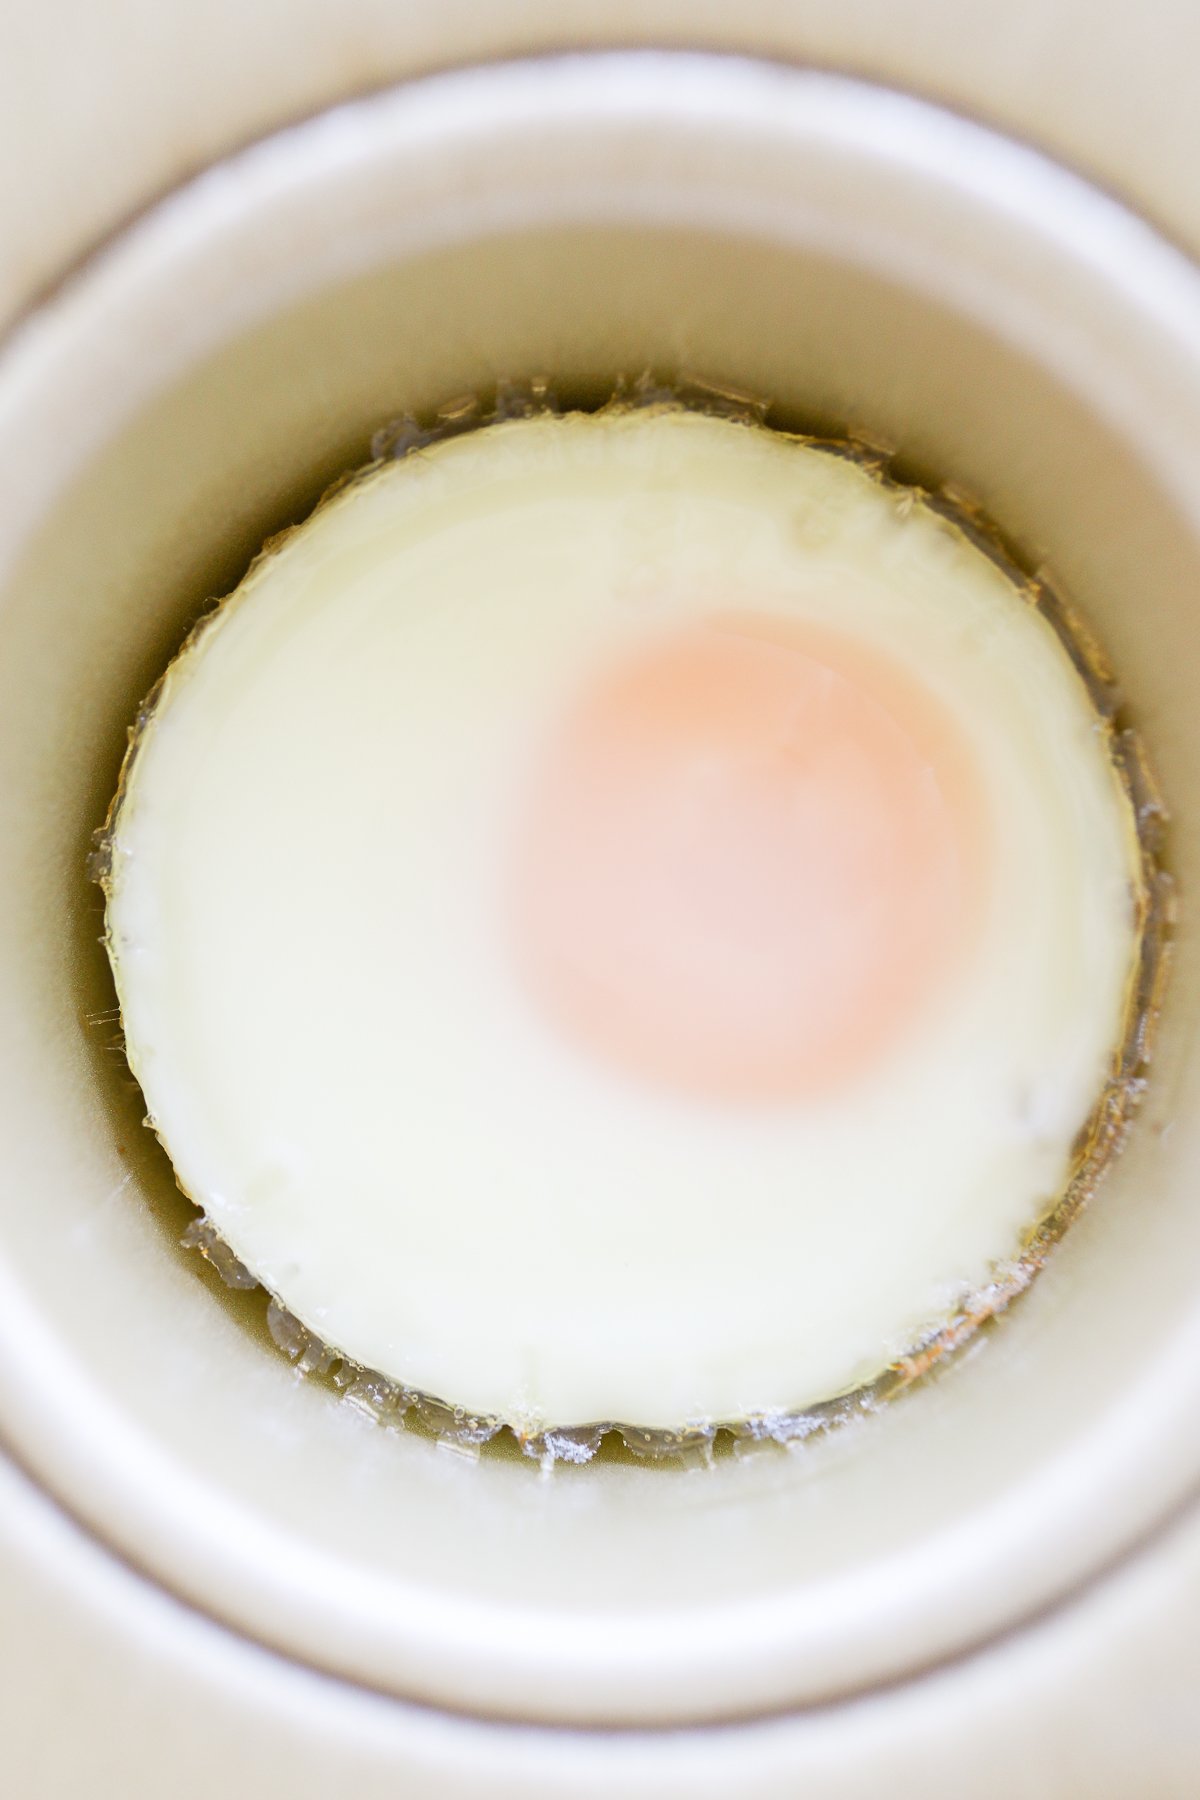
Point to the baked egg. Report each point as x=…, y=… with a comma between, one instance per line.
x=625, y=917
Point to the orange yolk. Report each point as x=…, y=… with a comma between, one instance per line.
x=750, y=852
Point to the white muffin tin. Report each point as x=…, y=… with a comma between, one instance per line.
x=869, y=262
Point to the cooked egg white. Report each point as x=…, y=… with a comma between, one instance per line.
x=623, y=917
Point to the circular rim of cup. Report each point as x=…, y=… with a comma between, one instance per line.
x=727, y=144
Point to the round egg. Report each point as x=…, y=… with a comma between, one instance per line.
x=624, y=917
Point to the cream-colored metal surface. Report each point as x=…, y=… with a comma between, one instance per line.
x=113, y=1689
x=1084, y=1690
x=106, y=107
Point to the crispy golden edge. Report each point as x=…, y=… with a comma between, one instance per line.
x=386, y=1401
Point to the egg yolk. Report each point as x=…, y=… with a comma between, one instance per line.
x=750, y=852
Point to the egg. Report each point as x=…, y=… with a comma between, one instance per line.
x=624, y=917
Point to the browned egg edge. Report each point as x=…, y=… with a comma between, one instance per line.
x=387, y=1402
